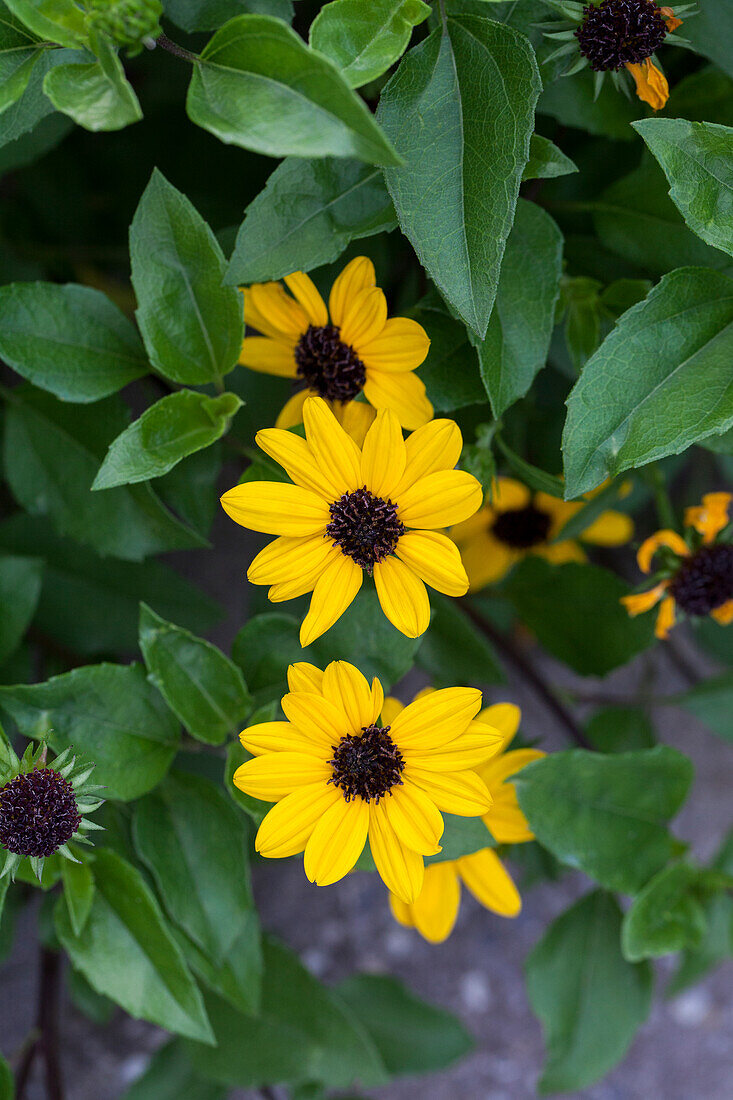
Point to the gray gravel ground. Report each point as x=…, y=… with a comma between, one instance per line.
x=684, y=1052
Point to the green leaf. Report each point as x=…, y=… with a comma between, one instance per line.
x=546, y=161
x=192, y=325
x=462, y=836
x=169, y=1076
x=7, y=1081
x=258, y=85
x=238, y=978
x=97, y=96
x=460, y=110
x=364, y=40
x=58, y=21
x=453, y=651
x=195, y=844
x=703, y=96
x=411, y=1035
x=711, y=33
x=187, y=488
x=518, y=337
x=70, y=340
x=127, y=953
x=20, y=589
x=168, y=431
x=573, y=102
x=306, y=215
x=33, y=106
x=665, y=917
x=620, y=729
x=201, y=686
x=658, y=383
x=44, y=436
x=695, y=158
x=711, y=702
x=95, y=1007
x=302, y=1034
x=606, y=815
x=589, y=999
x=79, y=887
x=451, y=370
x=209, y=15
x=91, y=606
x=111, y=714
x=717, y=941
x=19, y=53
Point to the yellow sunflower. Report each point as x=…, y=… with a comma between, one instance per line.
x=338, y=777
x=435, y=910
x=353, y=510
x=338, y=353
x=515, y=522
x=696, y=572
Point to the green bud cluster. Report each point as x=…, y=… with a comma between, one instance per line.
x=127, y=22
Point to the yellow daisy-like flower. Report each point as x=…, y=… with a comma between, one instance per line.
x=696, y=574
x=515, y=522
x=339, y=352
x=353, y=510
x=435, y=910
x=339, y=778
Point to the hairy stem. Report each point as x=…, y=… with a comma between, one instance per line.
x=44, y=1040
x=171, y=47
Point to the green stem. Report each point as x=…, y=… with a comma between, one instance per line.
x=178, y=51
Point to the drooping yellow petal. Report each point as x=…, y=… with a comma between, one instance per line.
x=275, y=737
x=639, y=602
x=337, y=841
x=348, y=690
x=463, y=793
x=651, y=83
x=404, y=393
x=465, y=752
x=486, y=560
x=665, y=618
x=318, y=719
x=304, y=290
x=275, y=508
x=400, y=868
x=291, y=413
x=490, y=883
x=401, y=911
x=435, y=446
x=403, y=597
x=335, y=591
x=670, y=19
x=431, y=721
x=297, y=460
x=723, y=614
x=402, y=345
x=504, y=717
x=268, y=356
x=610, y=529
x=303, y=676
x=435, y=559
x=440, y=499
x=415, y=819
x=649, y=547
x=281, y=311
x=364, y=318
x=286, y=828
x=383, y=455
x=435, y=910
x=275, y=775
x=356, y=276
x=505, y=820
x=711, y=516
x=333, y=449
x=287, y=558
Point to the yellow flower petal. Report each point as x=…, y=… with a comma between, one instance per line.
x=711, y=516
x=356, y=418
x=274, y=737
x=404, y=393
x=561, y=552
x=639, y=602
x=649, y=547
x=390, y=709
x=465, y=752
x=497, y=770
x=304, y=290
x=297, y=460
x=665, y=618
x=508, y=495
x=276, y=774
x=651, y=83
x=255, y=319
x=286, y=828
x=272, y=302
x=401, y=911
x=440, y=499
x=435, y=446
x=303, y=676
x=403, y=597
x=377, y=701
x=610, y=529
x=289, y=558
x=268, y=356
x=505, y=821
x=337, y=841
x=504, y=717
x=383, y=455
x=333, y=449
x=356, y=276
x=291, y=413
x=336, y=588
x=486, y=560
x=348, y=690
x=724, y=613
x=318, y=719
x=435, y=559
x=401, y=869
x=435, y=910
x=364, y=318
x=275, y=508
x=402, y=345
x=463, y=793
x=433, y=720
x=297, y=586
x=415, y=819
x=490, y=882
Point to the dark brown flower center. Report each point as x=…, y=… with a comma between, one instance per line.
x=328, y=365
x=38, y=813
x=365, y=526
x=367, y=765
x=619, y=32
x=522, y=528
x=704, y=581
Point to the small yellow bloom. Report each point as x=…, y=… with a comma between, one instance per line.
x=352, y=510
x=697, y=576
x=515, y=522
x=434, y=911
x=339, y=778
x=651, y=83
x=339, y=352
